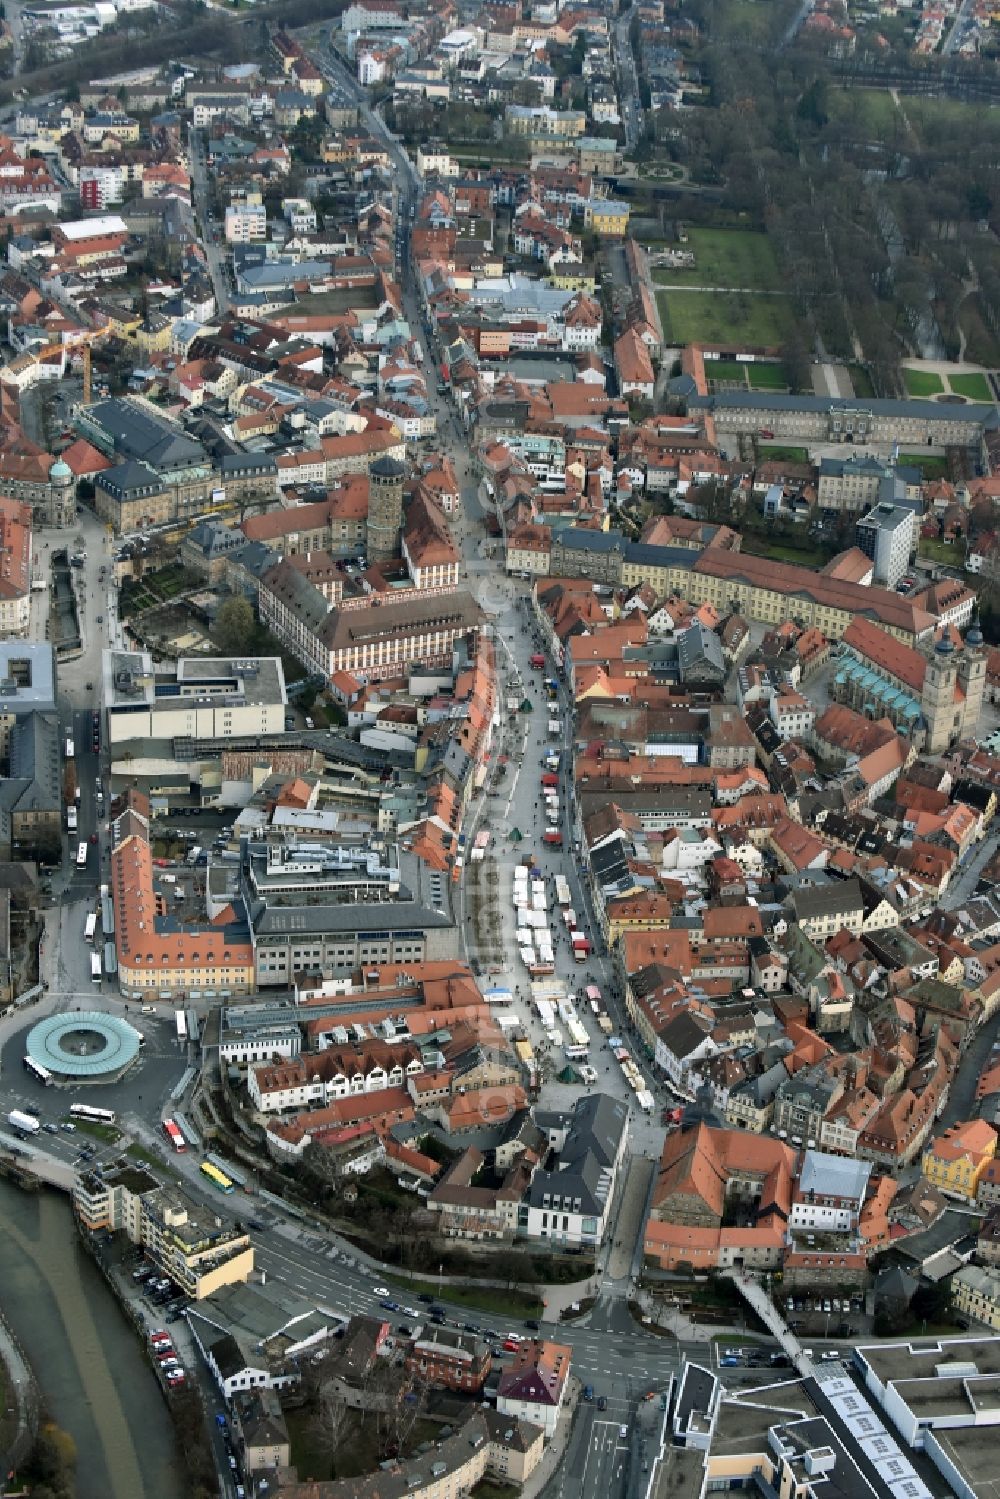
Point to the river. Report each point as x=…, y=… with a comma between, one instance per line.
x=94, y=1379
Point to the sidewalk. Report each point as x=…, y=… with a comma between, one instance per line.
x=556, y=1448
x=22, y=1386
x=559, y=1299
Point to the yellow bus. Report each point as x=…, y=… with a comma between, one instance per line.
x=216, y=1177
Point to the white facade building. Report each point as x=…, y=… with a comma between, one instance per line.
x=887, y=535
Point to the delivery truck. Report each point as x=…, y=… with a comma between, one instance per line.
x=25, y=1124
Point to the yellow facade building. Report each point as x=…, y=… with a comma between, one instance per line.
x=606, y=217
x=956, y=1160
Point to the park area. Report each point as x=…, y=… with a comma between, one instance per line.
x=729, y=258
x=744, y=304
x=724, y=318
x=771, y=375
x=942, y=380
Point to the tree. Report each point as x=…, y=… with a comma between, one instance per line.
x=331, y=1417
x=234, y=624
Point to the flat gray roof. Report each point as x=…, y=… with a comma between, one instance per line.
x=27, y=676
x=892, y=1362
x=975, y=1457
x=727, y=400
x=131, y=680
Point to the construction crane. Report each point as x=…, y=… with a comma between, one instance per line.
x=84, y=341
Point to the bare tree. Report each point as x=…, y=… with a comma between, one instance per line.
x=400, y=1400
x=331, y=1417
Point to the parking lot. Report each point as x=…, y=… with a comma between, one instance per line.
x=825, y=1316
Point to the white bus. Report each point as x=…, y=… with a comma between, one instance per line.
x=182, y=1025
x=81, y=856
x=42, y=1074
x=87, y=1111
x=95, y=968
x=71, y=820
x=90, y=928
x=69, y=746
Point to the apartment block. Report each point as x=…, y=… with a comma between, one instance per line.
x=187, y=1241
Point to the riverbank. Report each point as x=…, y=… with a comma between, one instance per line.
x=18, y=1399
x=87, y=1367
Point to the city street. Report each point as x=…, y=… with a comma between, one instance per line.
x=214, y=255
x=612, y=1351
x=628, y=84
x=79, y=693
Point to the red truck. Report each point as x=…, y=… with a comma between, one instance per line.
x=537, y=660
x=552, y=835
x=548, y=779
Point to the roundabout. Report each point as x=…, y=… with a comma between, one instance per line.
x=87, y=1046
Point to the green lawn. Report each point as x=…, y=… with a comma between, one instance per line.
x=867, y=113
x=922, y=382
x=747, y=19
x=727, y=257
x=729, y=317
x=782, y=453
x=106, y=1133
x=931, y=117
x=484, y=1298
x=725, y=369
x=804, y=556
x=767, y=376
x=144, y=1154
x=931, y=465
x=948, y=553
x=975, y=387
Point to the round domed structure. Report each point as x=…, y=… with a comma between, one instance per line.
x=388, y=468
x=944, y=646
x=84, y=1046
x=385, y=508
x=60, y=473
x=974, y=635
